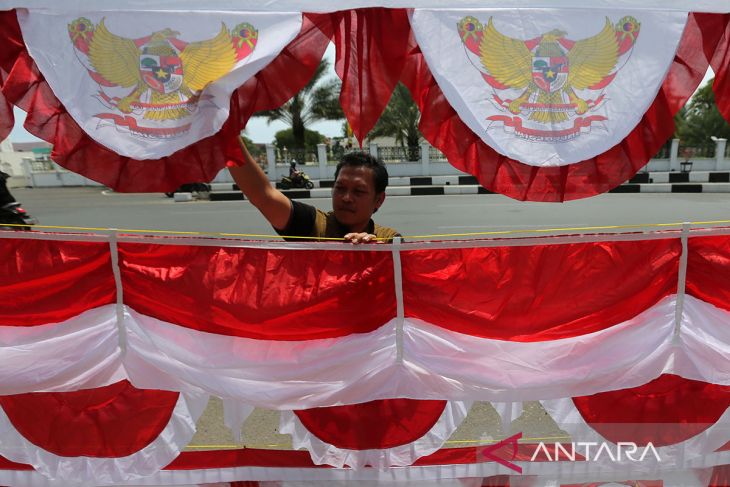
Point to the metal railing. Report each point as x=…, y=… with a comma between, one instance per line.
x=41, y=166
x=435, y=155
x=300, y=156
x=399, y=154
x=706, y=151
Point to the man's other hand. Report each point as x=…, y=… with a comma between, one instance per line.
x=358, y=238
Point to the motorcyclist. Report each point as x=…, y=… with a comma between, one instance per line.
x=5, y=196
x=294, y=173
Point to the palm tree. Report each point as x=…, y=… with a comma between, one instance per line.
x=318, y=100
x=700, y=119
x=400, y=120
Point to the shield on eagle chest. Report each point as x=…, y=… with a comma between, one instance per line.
x=161, y=73
x=550, y=73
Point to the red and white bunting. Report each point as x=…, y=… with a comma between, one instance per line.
x=147, y=84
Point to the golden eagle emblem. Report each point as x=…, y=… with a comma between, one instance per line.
x=553, y=75
x=162, y=74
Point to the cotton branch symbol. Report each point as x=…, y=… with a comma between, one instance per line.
x=492, y=452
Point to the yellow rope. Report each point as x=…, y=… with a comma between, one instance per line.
x=408, y=237
x=448, y=442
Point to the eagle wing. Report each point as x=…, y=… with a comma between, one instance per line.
x=590, y=60
x=206, y=61
x=508, y=60
x=114, y=57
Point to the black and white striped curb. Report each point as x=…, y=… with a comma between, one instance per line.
x=682, y=177
x=667, y=182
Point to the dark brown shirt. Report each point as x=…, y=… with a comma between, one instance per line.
x=308, y=221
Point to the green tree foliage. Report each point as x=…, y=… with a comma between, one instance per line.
x=285, y=138
x=399, y=120
x=253, y=148
x=318, y=100
x=700, y=119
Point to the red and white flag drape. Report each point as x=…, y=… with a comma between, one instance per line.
x=556, y=88
x=590, y=101
x=606, y=330
x=146, y=86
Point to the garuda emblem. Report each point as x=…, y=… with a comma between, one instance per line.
x=549, y=85
x=158, y=77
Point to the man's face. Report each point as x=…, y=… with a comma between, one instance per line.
x=354, y=199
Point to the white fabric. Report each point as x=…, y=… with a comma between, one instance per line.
x=268, y=374
x=345, y=483
x=323, y=453
x=235, y=414
x=571, y=472
x=640, y=74
x=84, y=352
x=46, y=34
x=79, y=353
x=81, y=470
x=508, y=412
x=327, y=6
x=568, y=418
x=626, y=355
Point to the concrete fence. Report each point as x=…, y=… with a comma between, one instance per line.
x=433, y=163
x=430, y=163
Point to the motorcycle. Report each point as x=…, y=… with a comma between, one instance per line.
x=14, y=214
x=298, y=180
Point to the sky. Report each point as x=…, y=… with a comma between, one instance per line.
x=257, y=129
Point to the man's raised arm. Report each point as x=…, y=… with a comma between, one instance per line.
x=254, y=184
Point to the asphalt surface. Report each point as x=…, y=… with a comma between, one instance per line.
x=411, y=215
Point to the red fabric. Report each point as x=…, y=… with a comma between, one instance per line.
x=708, y=270
x=371, y=46
x=112, y=421
x=667, y=410
x=720, y=476
x=721, y=66
x=252, y=457
x=260, y=293
x=443, y=128
x=538, y=292
x=75, y=150
x=7, y=119
x=627, y=483
x=6, y=464
x=496, y=481
x=373, y=425
x=46, y=281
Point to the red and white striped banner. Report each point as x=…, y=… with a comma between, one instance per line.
x=632, y=327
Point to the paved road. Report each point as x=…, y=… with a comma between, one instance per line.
x=411, y=215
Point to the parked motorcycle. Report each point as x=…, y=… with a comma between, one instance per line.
x=298, y=180
x=14, y=214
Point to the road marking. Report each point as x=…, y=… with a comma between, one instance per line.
x=501, y=227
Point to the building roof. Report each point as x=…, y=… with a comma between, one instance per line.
x=30, y=146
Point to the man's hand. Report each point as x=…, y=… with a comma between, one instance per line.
x=358, y=238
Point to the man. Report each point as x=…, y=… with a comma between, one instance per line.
x=359, y=190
